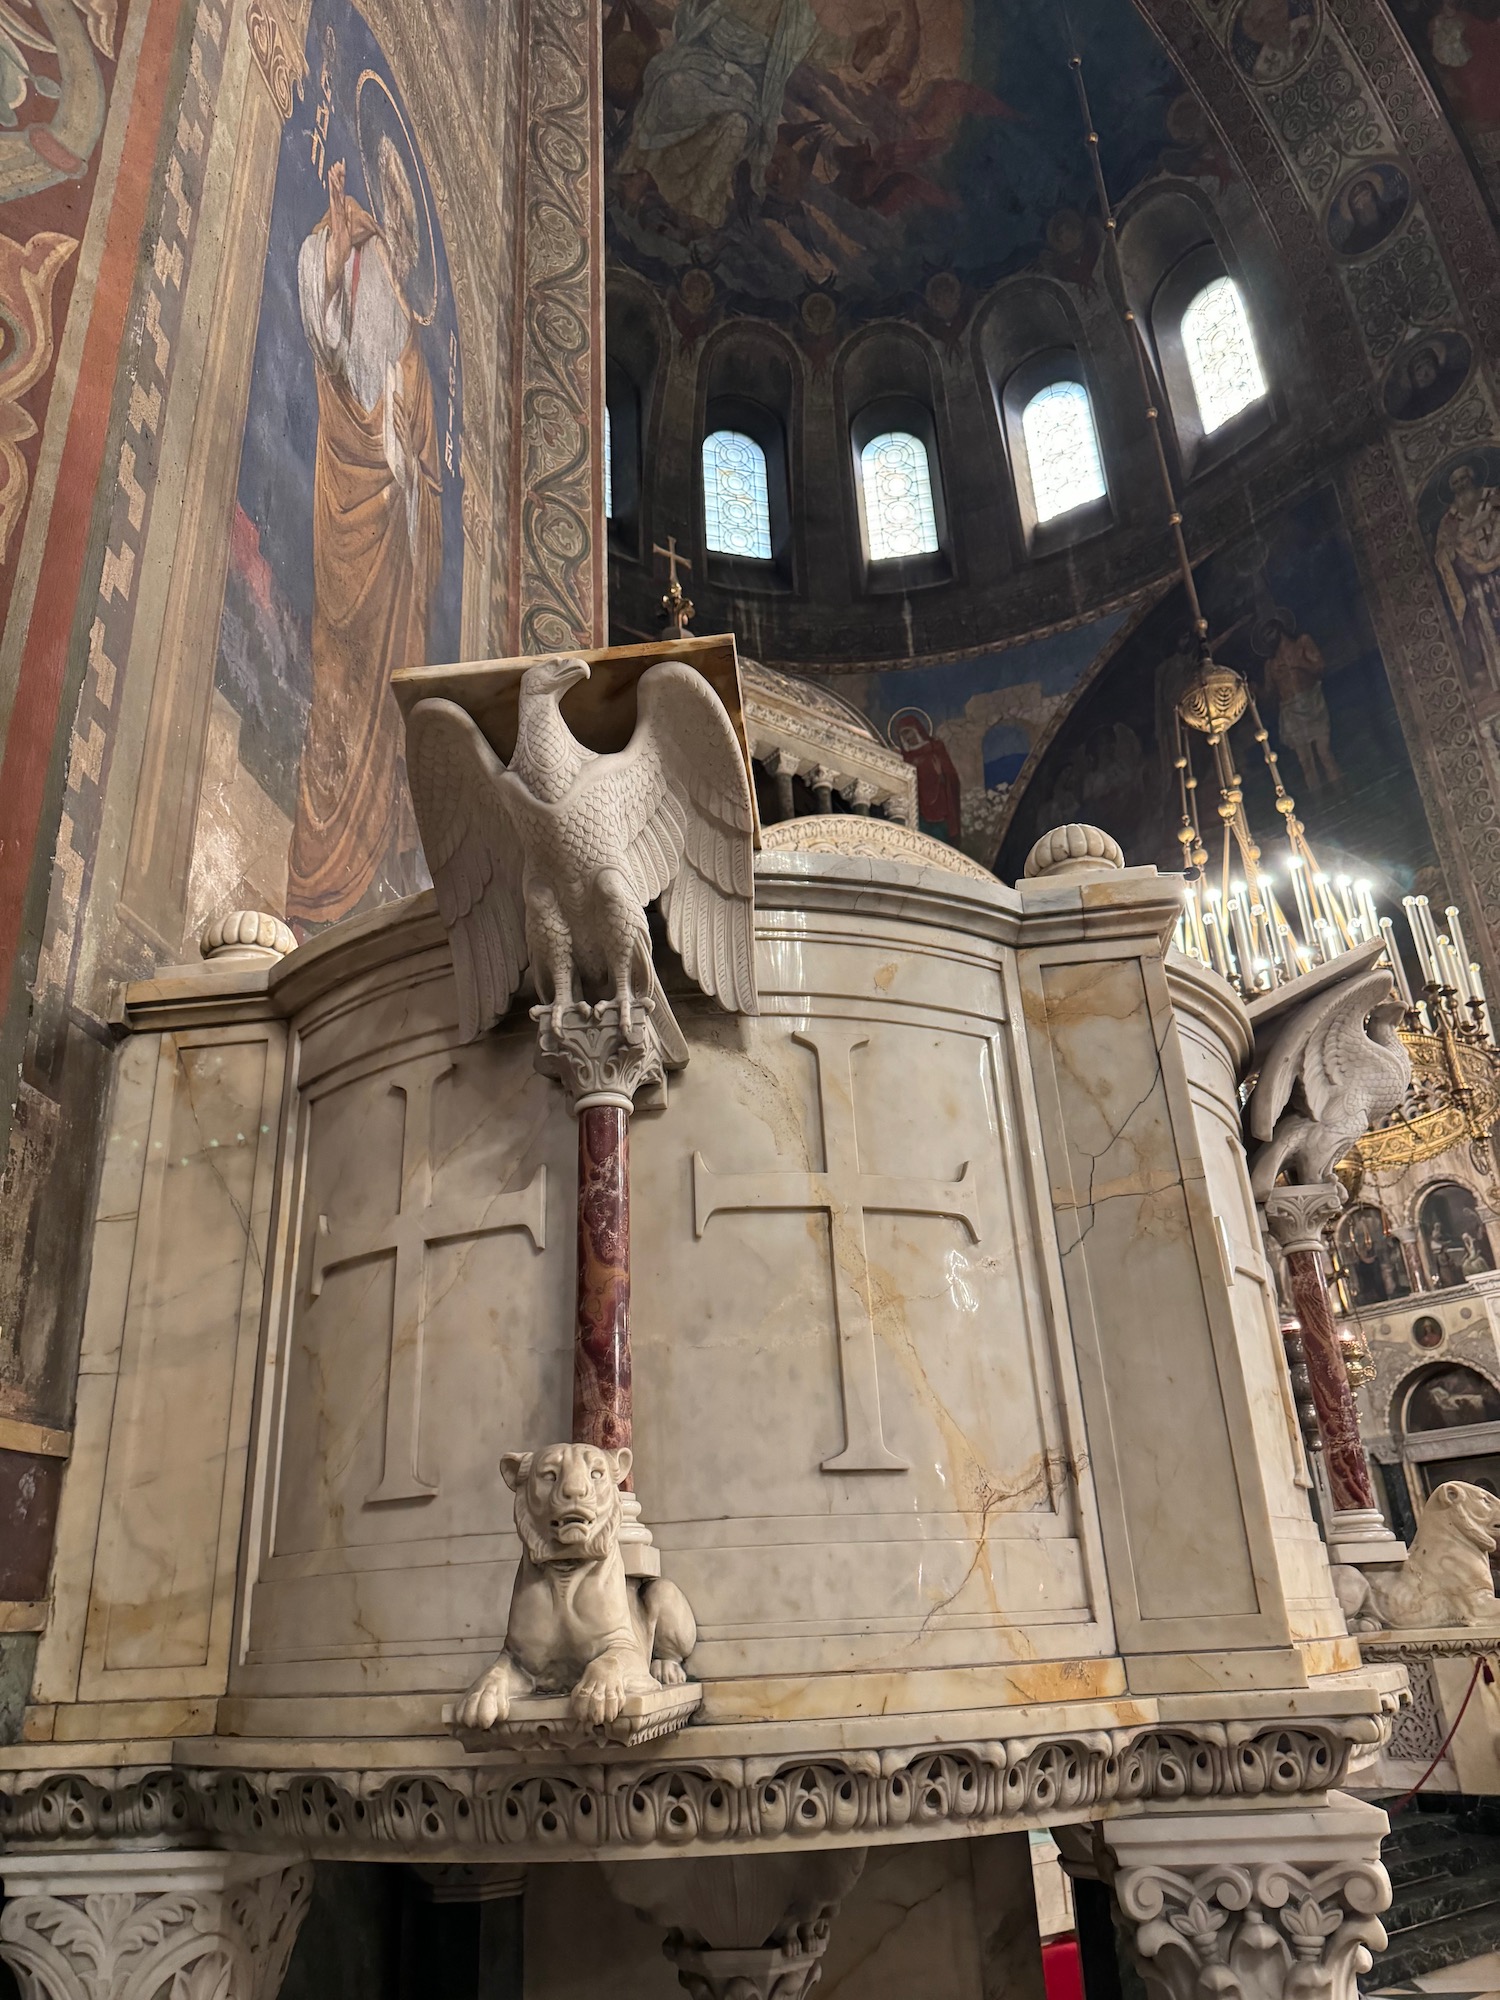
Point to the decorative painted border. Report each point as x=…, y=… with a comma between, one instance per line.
x=741, y=1804
x=145, y=384
x=560, y=569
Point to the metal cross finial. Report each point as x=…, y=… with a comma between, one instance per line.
x=673, y=559
x=677, y=605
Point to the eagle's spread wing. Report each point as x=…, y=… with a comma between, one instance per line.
x=459, y=787
x=680, y=798
x=709, y=904
x=1343, y=1051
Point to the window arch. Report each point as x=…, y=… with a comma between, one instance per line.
x=1219, y=347
x=1061, y=445
x=736, y=496
x=896, y=480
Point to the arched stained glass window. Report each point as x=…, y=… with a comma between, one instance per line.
x=897, y=482
x=736, y=499
x=1220, y=348
x=609, y=469
x=1062, y=450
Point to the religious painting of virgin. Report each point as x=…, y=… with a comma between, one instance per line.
x=969, y=725
x=939, y=800
x=1425, y=375
x=1369, y=205
x=347, y=552
x=1460, y=513
x=1270, y=39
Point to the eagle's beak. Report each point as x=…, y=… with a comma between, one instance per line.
x=574, y=671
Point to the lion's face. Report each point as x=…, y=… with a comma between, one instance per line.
x=567, y=1500
x=1473, y=1513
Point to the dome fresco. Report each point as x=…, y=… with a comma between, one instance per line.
x=816, y=160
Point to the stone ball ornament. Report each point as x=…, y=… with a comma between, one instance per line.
x=1071, y=850
x=244, y=935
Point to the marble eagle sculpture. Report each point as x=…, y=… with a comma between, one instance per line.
x=1336, y=1069
x=551, y=861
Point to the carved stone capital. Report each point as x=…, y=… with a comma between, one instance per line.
x=1266, y=1906
x=593, y=1061
x=752, y=1928
x=859, y=794
x=1297, y=1216
x=94, y=1926
x=786, y=1971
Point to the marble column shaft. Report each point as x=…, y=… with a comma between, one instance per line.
x=1296, y=1216
x=1333, y=1399
x=602, y=1408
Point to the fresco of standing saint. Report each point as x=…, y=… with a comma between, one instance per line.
x=346, y=544
x=377, y=531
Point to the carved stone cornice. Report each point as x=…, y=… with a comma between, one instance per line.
x=681, y=1804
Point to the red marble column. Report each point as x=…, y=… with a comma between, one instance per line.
x=602, y=1411
x=1338, y=1421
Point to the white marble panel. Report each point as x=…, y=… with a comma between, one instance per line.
x=174, y=1473
x=1208, y=1033
x=1192, y=1565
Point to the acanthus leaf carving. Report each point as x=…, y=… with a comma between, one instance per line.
x=208, y=1939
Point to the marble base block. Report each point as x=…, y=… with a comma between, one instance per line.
x=538, y=1723
x=1360, y=1535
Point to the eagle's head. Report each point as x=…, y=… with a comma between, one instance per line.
x=551, y=679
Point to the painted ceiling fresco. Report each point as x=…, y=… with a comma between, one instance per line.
x=1286, y=609
x=1458, y=44
x=812, y=158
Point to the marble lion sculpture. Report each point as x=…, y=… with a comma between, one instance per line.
x=1445, y=1580
x=577, y=1626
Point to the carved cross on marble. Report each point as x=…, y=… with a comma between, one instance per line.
x=846, y=1195
x=420, y=1222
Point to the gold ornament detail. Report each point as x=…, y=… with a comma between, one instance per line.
x=1213, y=700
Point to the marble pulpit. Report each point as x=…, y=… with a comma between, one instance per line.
x=960, y=1409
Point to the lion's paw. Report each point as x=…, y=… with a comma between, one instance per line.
x=671, y=1673
x=488, y=1701
x=600, y=1693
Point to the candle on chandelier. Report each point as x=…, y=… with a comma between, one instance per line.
x=1482, y=1018
x=1398, y=970
x=1416, y=915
